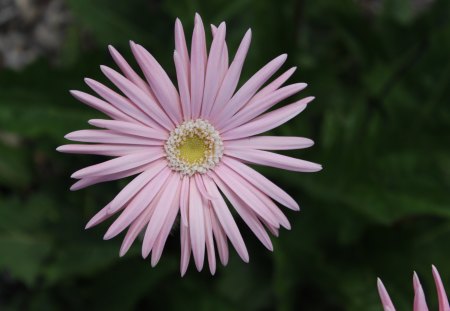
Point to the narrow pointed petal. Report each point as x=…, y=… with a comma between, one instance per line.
x=101, y=106
x=223, y=66
x=110, y=137
x=167, y=226
x=231, y=79
x=248, y=216
x=275, y=231
x=138, y=225
x=98, y=218
x=181, y=48
x=222, y=70
x=225, y=175
x=129, y=72
x=183, y=86
x=209, y=240
x=138, y=204
x=201, y=188
x=252, y=110
x=220, y=238
x=260, y=203
x=262, y=183
x=226, y=220
x=275, y=160
x=270, y=143
x=268, y=121
x=160, y=214
x=139, y=97
x=162, y=86
x=135, y=186
x=198, y=66
x=184, y=201
x=121, y=103
x=197, y=225
x=212, y=77
x=384, y=296
x=118, y=164
x=419, y=297
x=102, y=149
x=249, y=89
x=273, y=86
x=442, y=296
x=89, y=181
x=273, y=208
x=129, y=128
x=185, y=249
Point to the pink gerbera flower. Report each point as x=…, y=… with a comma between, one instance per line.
x=189, y=148
x=420, y=303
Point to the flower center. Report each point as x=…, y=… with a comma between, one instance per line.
x=194, y=147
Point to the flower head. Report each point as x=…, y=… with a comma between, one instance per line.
x=191, y=147
x=420, y=303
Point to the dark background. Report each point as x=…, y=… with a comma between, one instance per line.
x=380, y=71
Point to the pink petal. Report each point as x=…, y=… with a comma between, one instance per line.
x=419, y=297
x=226, y=220
x=130, y=128
x=181, y=48
x=272, y=229
x=212, y=77
x=273, y=159
x=267, y=121
x=197, y=225
x=222, y=70
x=442, y=297
x=231, y=78
x=252, y=110
x=225, y=175
x=129, y=72
x=209, y=239
x=201, y=188
x=281, y=218
x=185, y=249
x=135, y=186
x=98, y=218
x=139, y=97
x=223, y=67
x=262, y=183
x=167, y=227
x=89, y=181
x=270, y=143
x=272, y=86
x=249, y=89
x=137, y=205
x=101, y=106
x=121, y=103
x=248, y=216
x=198, y=66
x=183, y=86
x=103, y=149
x=220, y=238
x=110, y=137
x=385, y=299
x=118, y=165
x=265, y=205
x=162, y=86
x=160, y=213
x=184, y=201
x=138, y=225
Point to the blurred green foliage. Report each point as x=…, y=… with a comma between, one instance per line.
x=381, y=123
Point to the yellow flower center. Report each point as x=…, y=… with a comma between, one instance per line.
x=194, y=150
x=193, y=147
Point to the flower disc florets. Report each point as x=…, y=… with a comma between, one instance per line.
x=194, y=147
